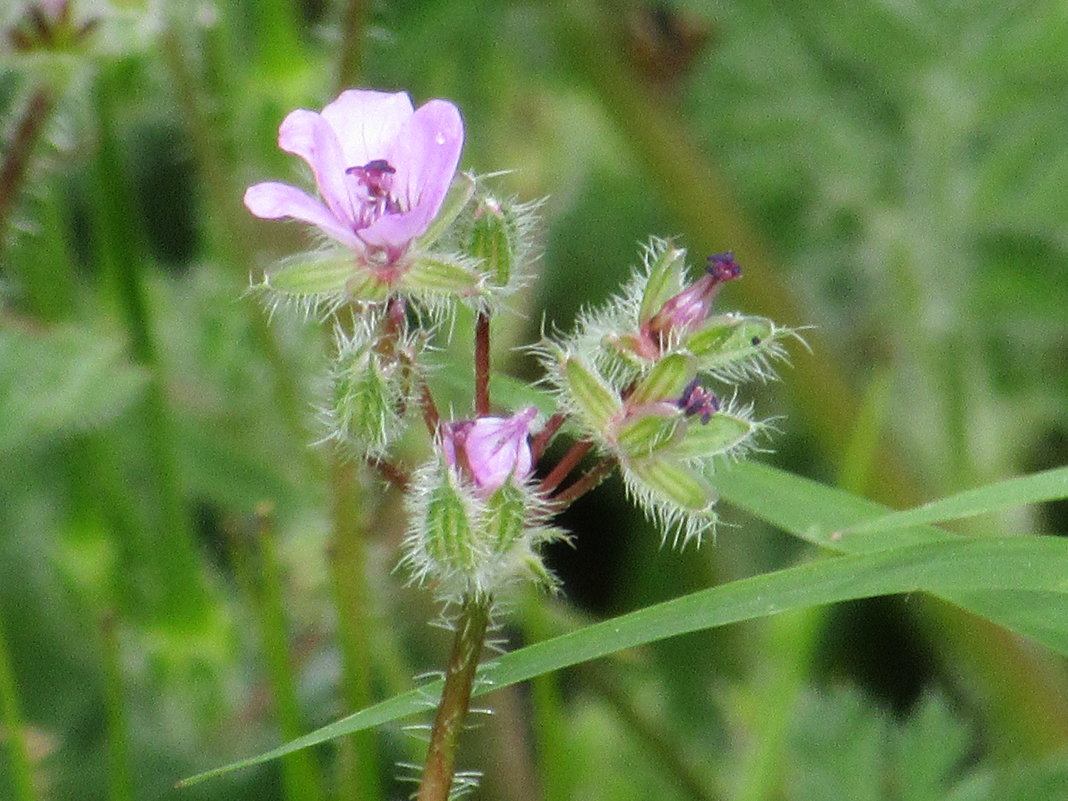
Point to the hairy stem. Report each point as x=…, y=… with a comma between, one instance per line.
x=455, y=698
x=482, y=364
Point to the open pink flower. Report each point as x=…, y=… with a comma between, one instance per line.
x=382, y=168
x=490, y=450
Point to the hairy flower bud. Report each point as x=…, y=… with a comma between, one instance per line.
x=490, y=451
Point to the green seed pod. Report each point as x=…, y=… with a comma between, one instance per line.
x=646, y=435
x=664, y=381
x=368, y=391
x=723, y=433
x=674, y=484
x=494, y=240
x=595, y=401
x=504, y=517
x=728, y=338
x=447, y=532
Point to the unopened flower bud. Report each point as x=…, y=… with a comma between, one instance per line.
x=490, y=451
x=683, y=312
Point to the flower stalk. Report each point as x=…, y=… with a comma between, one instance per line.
x=467, y=647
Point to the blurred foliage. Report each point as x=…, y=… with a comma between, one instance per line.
x=905, y=164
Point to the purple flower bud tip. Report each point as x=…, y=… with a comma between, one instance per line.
x=490, y=450
x=382, y=169
x=723, y=267
x=696, y=400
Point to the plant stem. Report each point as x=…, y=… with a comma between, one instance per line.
x=541, y=440
x=482, y=364
x=565, y=465
x=455, y=698
x=350, y=63
x=24, y=138
x=598, y=473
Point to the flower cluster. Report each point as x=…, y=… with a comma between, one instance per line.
x=403, y=231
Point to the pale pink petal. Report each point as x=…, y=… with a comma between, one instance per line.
x=366, y=122
x=308, y=135
x=425, y=154
x=272, y=201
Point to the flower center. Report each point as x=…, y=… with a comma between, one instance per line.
x=373, y=196
x=698, y=401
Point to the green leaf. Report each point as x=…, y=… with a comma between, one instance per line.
x=65, y=379
x=820, y=515
x=1035, y=565
x=1049, y=485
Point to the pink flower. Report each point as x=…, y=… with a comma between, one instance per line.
x=490, y=450
x=382, y=169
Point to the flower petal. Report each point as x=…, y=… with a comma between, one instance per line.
x=366, y=122
x=271, y=201
x=310, y=136
x=425, y=153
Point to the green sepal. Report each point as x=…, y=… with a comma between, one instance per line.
x=665, y=280
x=721, y=434
x=593, y=398
x=450, y=541
x=504, y=517
x=493, y=240
x=366, y=286
x=646, y=435
x=666, y=380
x=673, y=483
x=728, y=338
x=366, y=397
x=442, y=275
x=313, y=275
x=458, y=196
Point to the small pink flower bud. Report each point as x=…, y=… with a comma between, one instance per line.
x=490, y=451
x=683, y=312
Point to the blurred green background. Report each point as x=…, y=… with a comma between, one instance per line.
x=185, y=579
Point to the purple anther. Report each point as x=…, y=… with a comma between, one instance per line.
x=696, y=400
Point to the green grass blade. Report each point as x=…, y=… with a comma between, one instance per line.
x=1018, y=564
x=1049, y=485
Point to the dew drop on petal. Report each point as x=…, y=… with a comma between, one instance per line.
x=440, y=138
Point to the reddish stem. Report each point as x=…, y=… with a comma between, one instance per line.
x=565, y=466
x=482, y=364
x=393, y=474
x=598, y=473
x=20, y=147
x=542, y=439
x=430, y=409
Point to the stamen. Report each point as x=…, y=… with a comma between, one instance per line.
x=723, y=267
x=376, y=175
x=696, y=400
